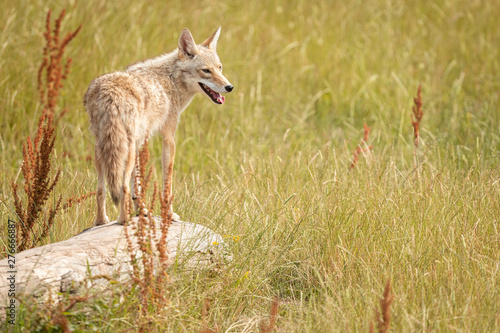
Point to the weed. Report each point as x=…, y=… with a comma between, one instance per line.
x=418, y=114
x=56, y=69
x=77, y=200
x=151, y=281
x=383, y=318
x=204, y=315
x=273, y=314
x=35, y=215
x=361, y=148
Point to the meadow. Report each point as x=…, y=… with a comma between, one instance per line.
x=270, y=170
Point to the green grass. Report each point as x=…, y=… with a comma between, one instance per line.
x=271, y=166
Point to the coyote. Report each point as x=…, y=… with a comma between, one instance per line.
x=126, y=107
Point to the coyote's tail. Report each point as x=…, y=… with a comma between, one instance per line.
x=112, y=145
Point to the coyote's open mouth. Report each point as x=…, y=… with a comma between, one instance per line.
x=214, y=96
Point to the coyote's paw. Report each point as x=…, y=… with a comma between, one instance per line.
x=121, y=220
x=101, y=221
x=144, y=212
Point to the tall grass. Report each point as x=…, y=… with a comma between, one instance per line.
x=269, y=169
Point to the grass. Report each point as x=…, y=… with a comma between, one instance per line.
x=270, y=169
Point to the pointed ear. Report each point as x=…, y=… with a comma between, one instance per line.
x=187, y=46
x=211, y=42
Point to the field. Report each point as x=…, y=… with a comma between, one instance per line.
x=271, y=168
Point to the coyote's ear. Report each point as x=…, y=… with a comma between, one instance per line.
x=187, y=46
x=211, y=42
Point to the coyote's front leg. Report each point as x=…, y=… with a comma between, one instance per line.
x=136, y=188
x=168, y=156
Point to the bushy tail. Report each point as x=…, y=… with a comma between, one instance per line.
x=112, y=145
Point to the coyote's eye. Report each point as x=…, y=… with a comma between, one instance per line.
x=206, y=70
x=220, y=68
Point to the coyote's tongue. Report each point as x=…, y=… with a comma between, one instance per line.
x=218, y=97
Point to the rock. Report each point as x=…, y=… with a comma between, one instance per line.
x=102, y=250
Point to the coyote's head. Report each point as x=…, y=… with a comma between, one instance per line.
x=201, y=67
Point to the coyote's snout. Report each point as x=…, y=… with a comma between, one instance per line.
x=148, y=97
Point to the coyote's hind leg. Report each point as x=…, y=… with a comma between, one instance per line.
x=127, y=174
x=101, y=218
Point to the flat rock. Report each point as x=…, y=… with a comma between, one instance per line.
x=102, y=250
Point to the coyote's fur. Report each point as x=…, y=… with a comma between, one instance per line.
x=125, y=107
